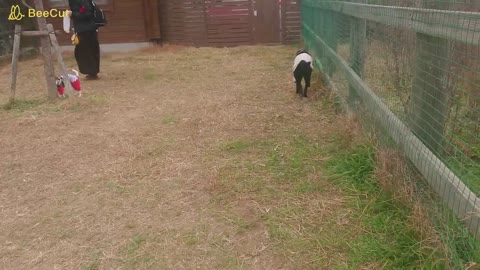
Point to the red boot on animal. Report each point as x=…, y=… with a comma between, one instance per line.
x=74, y=81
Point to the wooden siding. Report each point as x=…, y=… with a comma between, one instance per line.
x=197, y=22
x=126, y=23
x=291, y=21
x=228, y=23
x=225, y=23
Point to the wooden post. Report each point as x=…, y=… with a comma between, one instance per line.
x=429, y=102
x=46, y=53
x=58, y=53
x=430, y=99
x=38, y=33
x=15, y=56
x=443, y=181
x=332, y=24
x=358, y=45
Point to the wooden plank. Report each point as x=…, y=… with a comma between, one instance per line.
x=228, y=43
x=238, y=31
x=292, y=18
x=291, y=21
x=430, y=98
x=46, y=51
x=192, y=36
x=458, y=197
x=188, y=27
x=187, y=21
x=188, y=36
x=453, y=25
x=226, y=25
x=151, y=19
x=15, y=57
x=293, y=25
x=38, y=33
x=58, y=54
x=243, y=13
x=231, y=36
x=185, y=30
x=227, y=4
x=230, y=30
x=358, y=46
x=228, y=40
x=232, y=19
x=182, y=15
x=177, y=17
x=186, y=10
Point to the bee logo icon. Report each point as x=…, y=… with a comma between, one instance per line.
x=15, y=13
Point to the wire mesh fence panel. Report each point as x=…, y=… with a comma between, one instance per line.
x=411, y=69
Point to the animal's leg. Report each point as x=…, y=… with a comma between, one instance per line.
x=299, y=87
x=297, y=74
x=308, y=75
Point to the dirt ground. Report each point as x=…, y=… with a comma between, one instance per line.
x=139, y=172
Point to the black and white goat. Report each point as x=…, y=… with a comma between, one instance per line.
x=302, y=70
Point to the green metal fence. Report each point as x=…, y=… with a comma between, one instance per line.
x=412, y=68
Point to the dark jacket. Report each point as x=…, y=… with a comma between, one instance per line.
x=82, y=15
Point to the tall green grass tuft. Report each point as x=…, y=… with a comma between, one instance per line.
x=21, y=105
x=386, y=240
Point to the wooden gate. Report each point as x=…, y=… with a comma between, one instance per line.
x=267, y=21
x=229, y=23
x=290, y=21
x=226, y=23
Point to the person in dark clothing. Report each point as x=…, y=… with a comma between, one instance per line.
x=87, y=51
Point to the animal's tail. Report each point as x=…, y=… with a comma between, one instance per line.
x=76, y=72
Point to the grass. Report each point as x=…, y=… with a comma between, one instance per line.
x=43, y=106
x=169, y=120
x=94, y=264
x=136, y=255
x=286, y=182
x=21, y=105
x=237, y=181
x=377, y=232
x=150, y=75
x=455, y=249
x=237, y=146
x=387, y=238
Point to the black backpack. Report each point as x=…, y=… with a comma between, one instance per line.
x=99, y=16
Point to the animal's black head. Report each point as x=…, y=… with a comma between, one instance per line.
x=301, y=51
x=60, y=82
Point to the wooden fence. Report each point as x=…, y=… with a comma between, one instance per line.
x=225, y=23
x=291, y=21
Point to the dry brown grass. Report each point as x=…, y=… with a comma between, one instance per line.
x=396, y=177
x=123, y=177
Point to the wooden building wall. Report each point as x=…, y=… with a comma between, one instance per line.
x=223, y=23
x=128, y=21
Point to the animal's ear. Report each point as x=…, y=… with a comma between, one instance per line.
x=301, y=51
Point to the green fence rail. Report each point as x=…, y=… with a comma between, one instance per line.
x=412, y=68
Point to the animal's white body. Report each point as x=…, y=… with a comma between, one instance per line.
x=302, y=57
